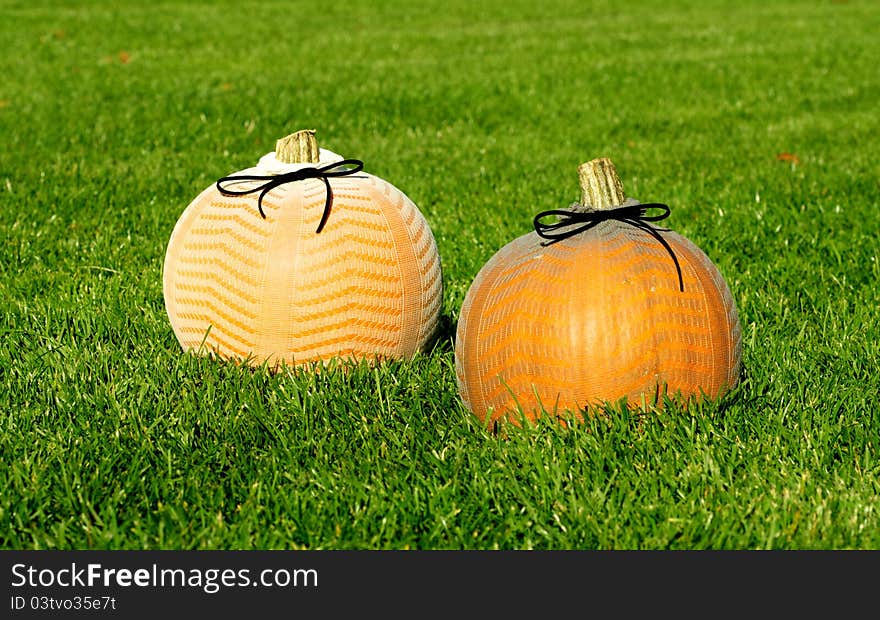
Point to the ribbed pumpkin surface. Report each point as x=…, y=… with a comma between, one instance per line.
x=592, y=318
x=368, y=286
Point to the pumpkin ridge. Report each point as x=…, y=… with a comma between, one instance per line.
x=505, y=321
x=346, y=322
x=523, y=356
x=404, y=253
x=236, y=218
x=202, y=246
x=503, y=291
x=550, y=251
x=640, y=361
x=539, y=317
x=369, y=264
x=217, y=344
x=214, y=262
x=336, y=303
x=213, y=293
x=349, y=353
x=413, y=248
x=345, y=337
x=218, y=310
x=222, y=349
x=329, y=242
x=363, y=269
x=205, y=321
x=695, y=255
x=211, y=231
x=348, y=224
x=630, y=383
x=363, y=290
x=381, y=310
x=435, y=292
x=243, y=205
x=224, y=283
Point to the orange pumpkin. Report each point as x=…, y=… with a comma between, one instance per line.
x=597, y=307
x=302, y=259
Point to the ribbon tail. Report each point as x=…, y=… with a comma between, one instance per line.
x=260, y=200
x=268, y=187
x=650, y=230
x=327, y=204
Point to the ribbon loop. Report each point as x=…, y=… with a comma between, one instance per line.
x=571, y=223
x=336, y=169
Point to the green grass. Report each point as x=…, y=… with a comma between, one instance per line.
x=112, y=438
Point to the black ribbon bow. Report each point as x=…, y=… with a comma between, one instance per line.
x=336, y=169
x=635, y=215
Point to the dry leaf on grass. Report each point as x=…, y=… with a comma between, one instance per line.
x=790, y=157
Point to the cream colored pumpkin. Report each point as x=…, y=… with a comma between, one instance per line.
x=273, y=290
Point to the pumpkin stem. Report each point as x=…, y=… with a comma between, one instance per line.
x=600, y=185
x=298, y=148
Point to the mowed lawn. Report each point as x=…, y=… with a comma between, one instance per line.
x=756, y=122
